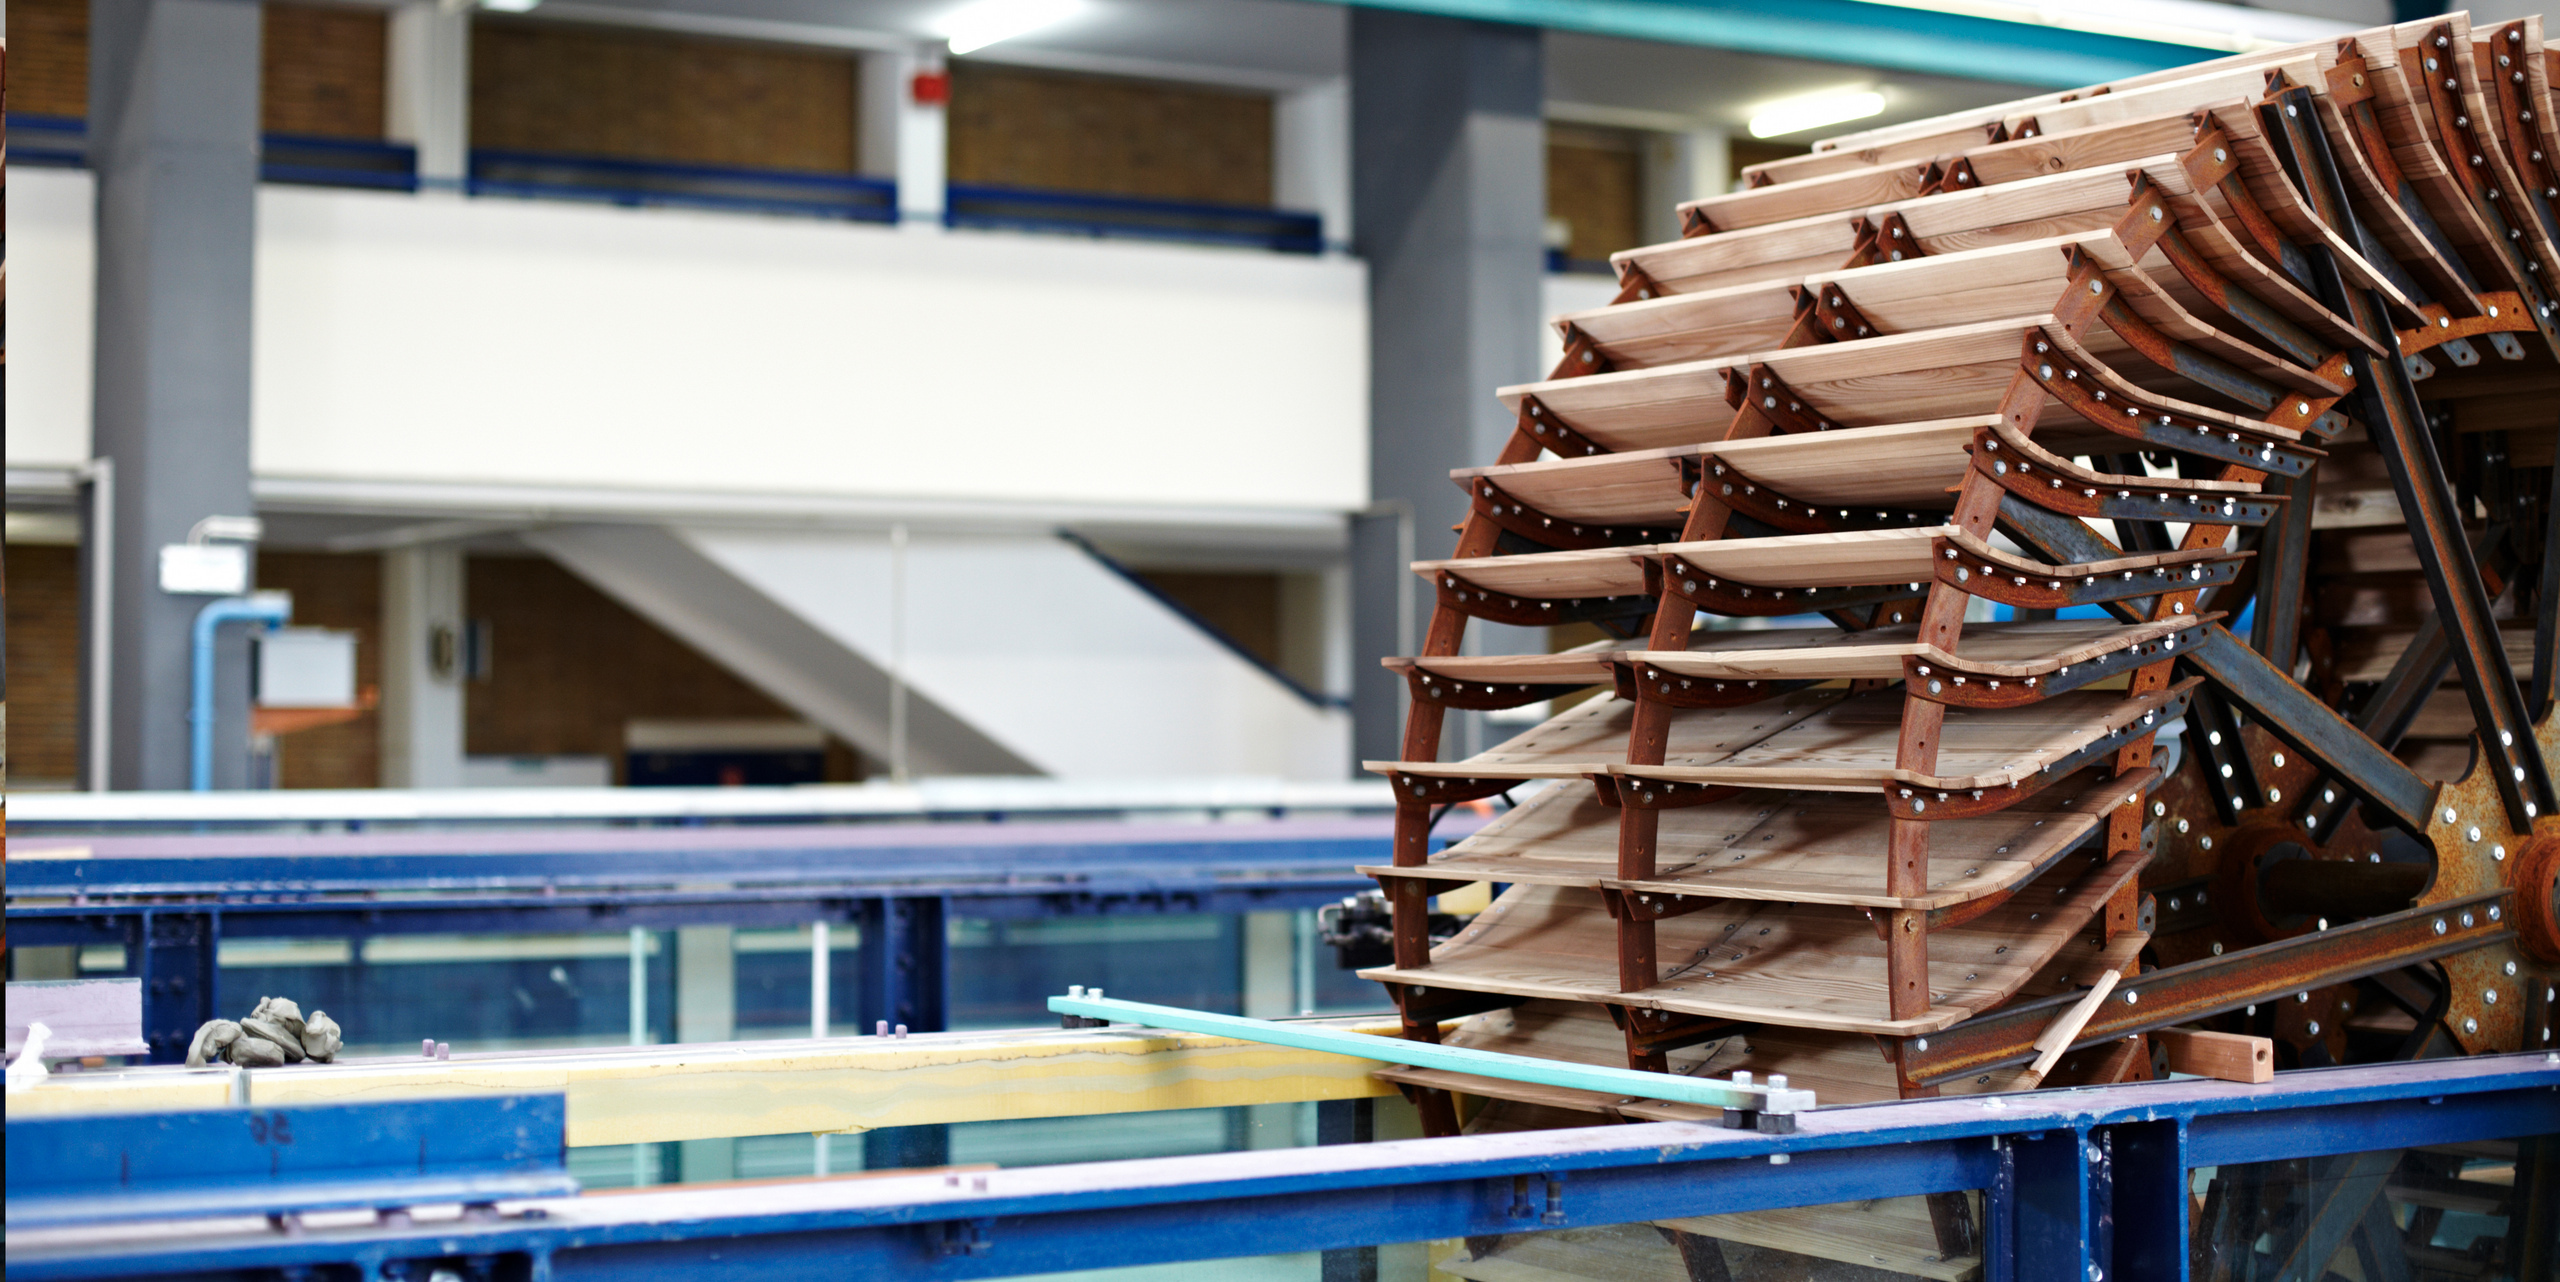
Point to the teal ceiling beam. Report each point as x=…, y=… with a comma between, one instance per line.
x=1845, y=31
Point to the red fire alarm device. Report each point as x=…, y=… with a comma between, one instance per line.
x=930, y=88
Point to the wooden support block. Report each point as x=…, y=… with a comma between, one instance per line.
x=2228, y=1057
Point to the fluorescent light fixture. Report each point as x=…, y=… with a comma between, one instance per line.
x=1813, y=111
x=509, y=6
x=975, y=26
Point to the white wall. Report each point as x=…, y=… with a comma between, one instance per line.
x=519, y=343
x=52, y=278
x=1046, y=651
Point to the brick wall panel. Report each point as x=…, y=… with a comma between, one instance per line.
x=44, y=663
x=323, y=71
x=589, y=91
x=570, y=667
x=1017, y=127
x=1595, y=183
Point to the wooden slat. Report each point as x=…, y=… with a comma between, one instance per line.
x=1898, y=465
x=1813, y=848
x=2369, y=653
x=1689, y=326
x=1808, y=966
x=2005, y=650
x=1591, y=737
x=1581, y=665
x=1854, y=558
x=1589, y=572
x=1838, y=194
x=1853, y=745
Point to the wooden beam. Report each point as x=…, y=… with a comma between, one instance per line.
x=648, y=1094
x=2229, y=1057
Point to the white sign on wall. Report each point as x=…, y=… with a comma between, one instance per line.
x=209, y=569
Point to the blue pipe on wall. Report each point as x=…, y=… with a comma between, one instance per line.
x=267, y=609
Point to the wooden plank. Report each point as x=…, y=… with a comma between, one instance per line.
x=2003, y=650
x=2367, y=654
x=2229, y=1057
x=132, y=1090
x=1779, y=252
x=1856, y=558
x=1587, y=572
x=1583, y=664
x=1809, y=966
x=1591, y=737
x=1745, y=317
x=1904, y=465
x=1838, y=194
x=2105, y=144
x=1813, y=848
x=1854, y=746
x=659, y=1093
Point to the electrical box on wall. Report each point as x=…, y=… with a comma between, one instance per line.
x=306, y=668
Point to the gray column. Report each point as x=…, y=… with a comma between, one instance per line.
x=173, y=140
x=1448, y=160
x=422, y=675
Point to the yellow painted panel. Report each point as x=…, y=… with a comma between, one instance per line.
x=659, y=1093
x=129, y=1091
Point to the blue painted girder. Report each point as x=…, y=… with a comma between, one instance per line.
x=1221, y=1206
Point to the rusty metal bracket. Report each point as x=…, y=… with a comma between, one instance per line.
x=1551, y=431
x=2161, y=998
x=2127, y=412
x=2313, y=728
x=1532, y=612
x=1841, y=321
x=1939, y=684
x=1506, y=510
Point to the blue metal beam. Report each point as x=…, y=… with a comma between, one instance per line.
x=275, y=1161
x=1874, y=35
x=1045, y=1219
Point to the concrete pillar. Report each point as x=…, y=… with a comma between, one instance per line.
x=422, y=645
x=427, y=90
x=707, y=1011
x=1680, y=167
x=173, y=142
x=1449, y=190
x=903, y=138
x=1311, y=156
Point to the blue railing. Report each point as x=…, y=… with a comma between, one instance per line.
x=641, y=182
x=63, y=142
x=1022, y=209
x=1559, y=263
x=337, y=162
x=60, y=142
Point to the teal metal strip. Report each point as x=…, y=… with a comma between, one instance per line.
x=1455, y=1059
x=1844, y=31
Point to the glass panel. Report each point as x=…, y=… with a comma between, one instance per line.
x=1004, y=972
x=2444, y=1211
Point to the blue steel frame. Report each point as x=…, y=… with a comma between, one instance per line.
x=170, y=900
x=2078, y=1184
